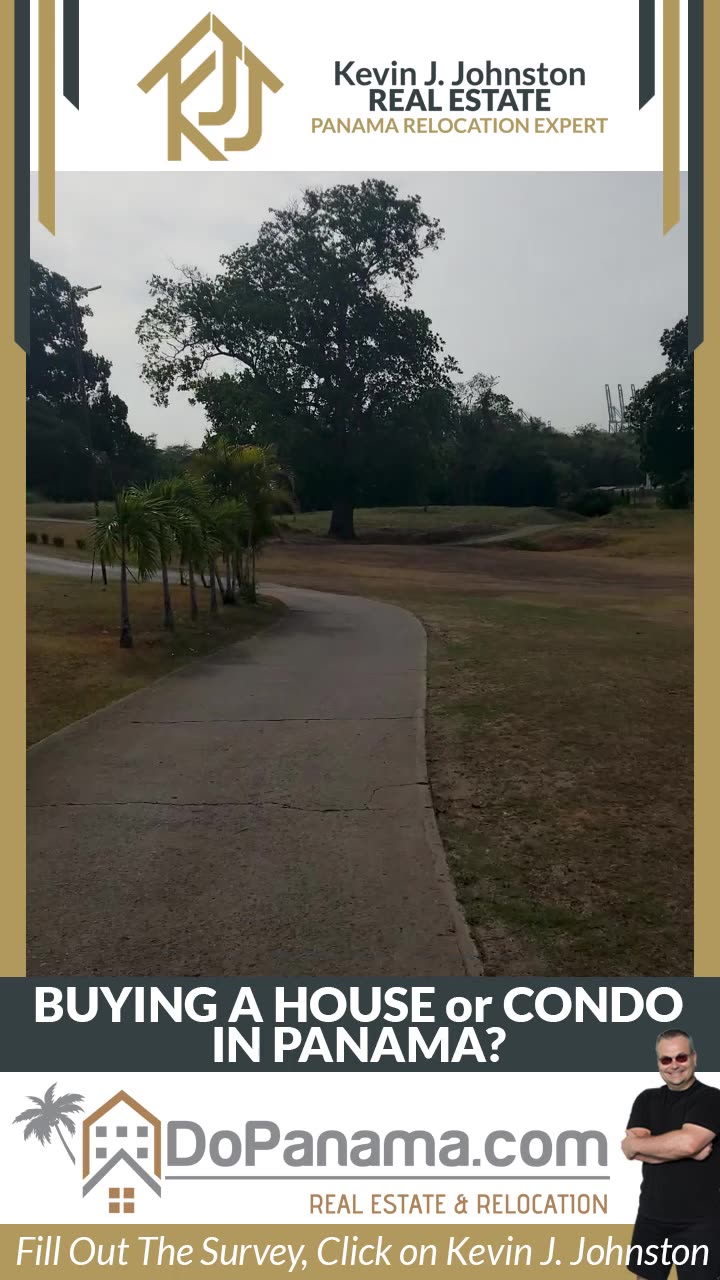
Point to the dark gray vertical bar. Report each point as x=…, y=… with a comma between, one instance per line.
x=22, y=174
x=696, y=175
x=647, y=51
x=71, y=51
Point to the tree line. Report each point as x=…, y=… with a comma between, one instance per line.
x=332, y=367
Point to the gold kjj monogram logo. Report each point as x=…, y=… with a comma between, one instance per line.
x=233, y=51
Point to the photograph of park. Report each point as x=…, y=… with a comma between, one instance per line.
x=359, y=577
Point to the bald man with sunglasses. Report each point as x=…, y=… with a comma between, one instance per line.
x=672, y=1131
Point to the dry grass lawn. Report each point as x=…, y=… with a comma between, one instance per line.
x=74, y=663
x=559, y=741
x=71, y=532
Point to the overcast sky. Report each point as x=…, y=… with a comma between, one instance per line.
x=556, y=283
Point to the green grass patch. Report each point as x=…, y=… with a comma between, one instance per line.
x=653, y=530
x=418, y=523
x=64, y=510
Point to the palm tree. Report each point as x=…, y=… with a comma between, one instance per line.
x=172, y=493
x=226, y=522
x=247, y=474
x=50, y=1113
x=192, y=499
x=256, y=470
x=131, y=529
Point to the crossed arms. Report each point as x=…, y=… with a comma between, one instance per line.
x=692, y=1142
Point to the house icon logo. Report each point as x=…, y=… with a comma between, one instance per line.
x=121, y=1142
x=121, y=1148
x=182, y=84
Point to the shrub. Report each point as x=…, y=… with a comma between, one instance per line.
x=31, y=537
x=58, y=542
x=44, y=538
x=675, y=496
x=591, y=502
x=80, y=543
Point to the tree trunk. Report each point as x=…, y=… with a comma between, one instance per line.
x=126, y=636
x=228, y=593
x=103, y=569
x=250, y=567
x=342, y=520
x=168, y=619
x=193, y=594
x=202, y=578
x=213, y=591
x=58, y=1131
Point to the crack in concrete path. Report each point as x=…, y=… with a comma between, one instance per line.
x=277, y=720
x=200, y=804
x=174, y=803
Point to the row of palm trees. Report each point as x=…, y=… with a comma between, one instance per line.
x=211, y=522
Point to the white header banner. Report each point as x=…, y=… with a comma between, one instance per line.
x=515, y=85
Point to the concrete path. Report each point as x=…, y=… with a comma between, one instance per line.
x=64, y=567
x=263, y=811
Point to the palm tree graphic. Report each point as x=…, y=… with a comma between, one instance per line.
x=49, y=1115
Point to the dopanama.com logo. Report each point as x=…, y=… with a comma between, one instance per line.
x=179, y=89
x=124, y=1148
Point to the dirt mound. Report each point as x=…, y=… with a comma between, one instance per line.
x=558, y=540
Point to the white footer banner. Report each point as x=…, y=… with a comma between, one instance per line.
x=512, y=1148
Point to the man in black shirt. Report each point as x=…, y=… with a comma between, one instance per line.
x=673, y=1131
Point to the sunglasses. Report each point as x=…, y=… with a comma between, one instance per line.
x=679, y=1057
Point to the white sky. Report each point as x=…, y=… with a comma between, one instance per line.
x=556, y=283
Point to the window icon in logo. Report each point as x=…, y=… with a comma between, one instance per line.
x=121, y=1200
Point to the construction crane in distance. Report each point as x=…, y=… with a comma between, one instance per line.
x=616, y=417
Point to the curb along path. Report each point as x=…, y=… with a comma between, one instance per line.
x=262, y=811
